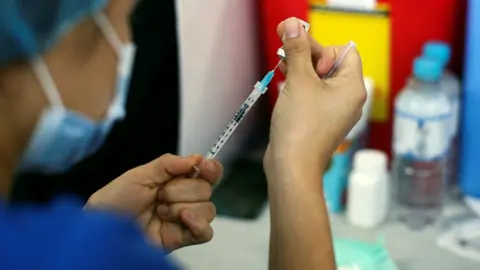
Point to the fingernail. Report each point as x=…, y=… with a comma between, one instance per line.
x=292, y=28
x=197, y=158
x=191, y=215
x=211, y=165
x=196, y=168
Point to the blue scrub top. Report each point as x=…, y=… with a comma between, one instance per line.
x=62, y=236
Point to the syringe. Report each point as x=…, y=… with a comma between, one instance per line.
x=259, y=89
x=338, y=61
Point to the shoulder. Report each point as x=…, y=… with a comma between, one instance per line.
x=63, y=236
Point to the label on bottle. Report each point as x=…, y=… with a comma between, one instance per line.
x=423, y=138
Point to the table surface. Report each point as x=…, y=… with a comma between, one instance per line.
x=241, y=245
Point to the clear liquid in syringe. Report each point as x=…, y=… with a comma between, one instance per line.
x=227, y=132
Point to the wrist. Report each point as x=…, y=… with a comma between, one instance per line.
x=280, y=164
x=294, y=176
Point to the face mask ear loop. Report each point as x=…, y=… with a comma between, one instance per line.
x=109, y=32
x=46, y=82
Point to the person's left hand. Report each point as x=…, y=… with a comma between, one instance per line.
x=175, y=211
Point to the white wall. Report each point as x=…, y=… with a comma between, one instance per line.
x=218, y=68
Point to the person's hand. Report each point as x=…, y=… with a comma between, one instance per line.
x=174, y=210
x=313, y=115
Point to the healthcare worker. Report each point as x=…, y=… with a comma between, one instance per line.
x=64, y=71
x=51, y=77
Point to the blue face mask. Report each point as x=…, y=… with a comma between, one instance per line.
x=63, y=137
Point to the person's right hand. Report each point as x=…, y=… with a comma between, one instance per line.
x=313, y=115
x=173, y=209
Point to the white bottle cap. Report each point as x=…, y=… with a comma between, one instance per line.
x=370, y=160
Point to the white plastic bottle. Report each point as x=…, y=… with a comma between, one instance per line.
x=421, y=140
x=441, y=52
x=368, y=189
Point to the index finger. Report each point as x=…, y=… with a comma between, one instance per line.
x=351, y=63
x=210, y=170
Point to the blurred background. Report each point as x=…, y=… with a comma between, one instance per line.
x=407, y=174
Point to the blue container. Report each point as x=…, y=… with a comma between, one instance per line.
x=470, y=126
x=335, y=180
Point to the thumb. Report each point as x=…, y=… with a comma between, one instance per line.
x=168, y=167
x=297, y=49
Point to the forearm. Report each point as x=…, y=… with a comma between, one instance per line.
x=300, y=236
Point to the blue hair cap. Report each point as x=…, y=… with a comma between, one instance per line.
x=29, y=27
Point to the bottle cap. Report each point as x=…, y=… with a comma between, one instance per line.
x=427, y=69
x=370, y=160
x=439, y=51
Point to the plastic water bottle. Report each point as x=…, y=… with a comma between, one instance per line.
x=441, y=52
x=420, y=144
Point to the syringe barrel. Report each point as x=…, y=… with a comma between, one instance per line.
x=232, y=125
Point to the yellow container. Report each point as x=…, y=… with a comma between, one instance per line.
x=370, y=30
